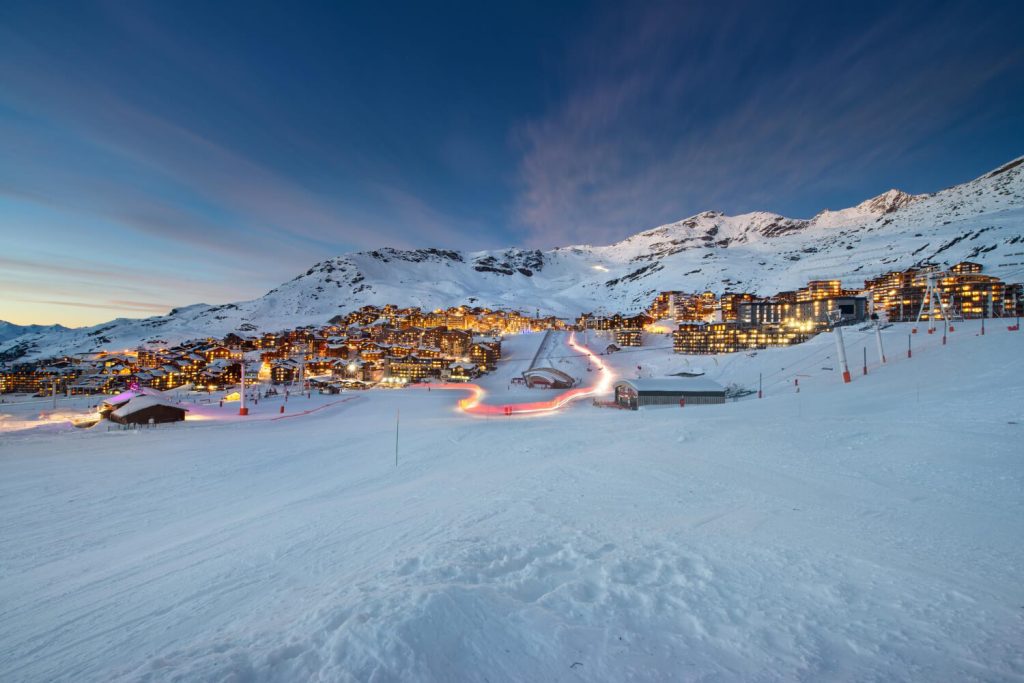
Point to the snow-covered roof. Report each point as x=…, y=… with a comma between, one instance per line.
x=681, y=384
x=121, y=398
x=486, y=340
x=141, y=403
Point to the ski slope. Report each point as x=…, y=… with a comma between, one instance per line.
x=868, y=531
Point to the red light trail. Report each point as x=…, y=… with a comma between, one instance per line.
x=475, y=404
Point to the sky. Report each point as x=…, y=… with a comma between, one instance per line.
x=157, y=154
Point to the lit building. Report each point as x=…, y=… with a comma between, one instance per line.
x=729, y=337
x=820, y=289
x=730, y=301
x=963, y=290
x=810, y=314
x=626, y=337
x=664, y=306
x=485, y=352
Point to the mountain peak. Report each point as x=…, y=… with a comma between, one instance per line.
x=759, y=252
x=890, y=201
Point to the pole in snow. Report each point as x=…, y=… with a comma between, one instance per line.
x=865, y=360
x=909, y=352
x=242, y=410
x=841, y=349
x=945, y=329
x=878, y=340
x=54, y=392
x=931, y=304
x=760, y=393
x=397, y=414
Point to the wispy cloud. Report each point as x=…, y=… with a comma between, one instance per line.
x=111, y=305
x=672, y=109
x=152, y=173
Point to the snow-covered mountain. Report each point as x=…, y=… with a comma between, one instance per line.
x=9, y=331
x=981, y=220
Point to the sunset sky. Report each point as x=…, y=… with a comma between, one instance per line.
x=158, y=154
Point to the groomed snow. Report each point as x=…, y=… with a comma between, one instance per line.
x=862, y=532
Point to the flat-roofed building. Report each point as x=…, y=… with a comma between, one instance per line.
x=634, y=393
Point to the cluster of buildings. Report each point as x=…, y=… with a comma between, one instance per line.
x=394, y=346
x=207, y=363
x=706, y=323
x=371, y=345
x=964, y=290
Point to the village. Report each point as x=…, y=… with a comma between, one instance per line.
x=391, y=347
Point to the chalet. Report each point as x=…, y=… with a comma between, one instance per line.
x=112, y=403
x=485, y=352
x=283, y=372
x=462, y=372
x=355, y=370
x=147, y=409
x=414, y=368
x=91, y=384
x=217, y=352
x=628, y=337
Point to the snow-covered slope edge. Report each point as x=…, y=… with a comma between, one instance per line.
x=981, y=220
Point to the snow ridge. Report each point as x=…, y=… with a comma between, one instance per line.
x=762, y=252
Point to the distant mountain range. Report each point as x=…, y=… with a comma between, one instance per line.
x=981, y=220
x=10, y=331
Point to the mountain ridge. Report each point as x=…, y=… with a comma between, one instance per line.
x=760, y=252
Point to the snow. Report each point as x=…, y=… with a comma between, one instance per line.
x=761, y=252
x=141, y=403
x=868, y=531
x=675, y=384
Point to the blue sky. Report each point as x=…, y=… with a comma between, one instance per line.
x=157, y=154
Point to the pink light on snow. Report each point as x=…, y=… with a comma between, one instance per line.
x=474, y=404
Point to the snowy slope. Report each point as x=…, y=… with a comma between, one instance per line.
x=866, y=532
x=9, y=331
x=982, y=220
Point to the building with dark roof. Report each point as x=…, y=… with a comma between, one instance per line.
x=634, y=393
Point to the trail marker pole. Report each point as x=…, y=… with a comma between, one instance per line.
x=760, y=392
x=909, y=352
x=865, y=360
x=242, y=410
x=397, y=415
x=841, y=349
x=878, y=340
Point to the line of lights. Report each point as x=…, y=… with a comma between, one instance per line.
x=474, y=404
